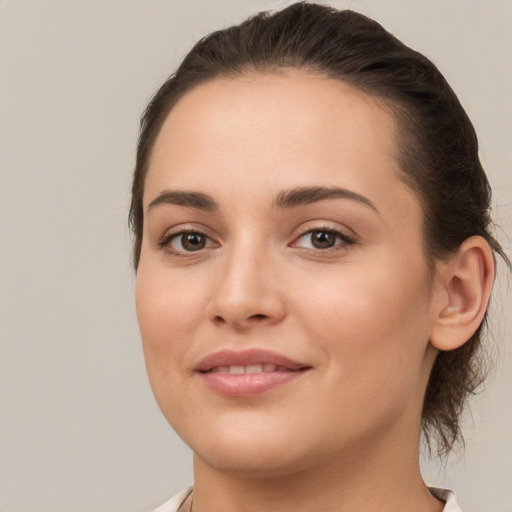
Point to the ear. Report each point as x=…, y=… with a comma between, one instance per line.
x=463, y=288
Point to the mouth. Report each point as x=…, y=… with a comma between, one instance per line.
x=248, y=373
x=250, y=369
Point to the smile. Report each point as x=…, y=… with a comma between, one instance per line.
x=248, y=373
x=253, y=368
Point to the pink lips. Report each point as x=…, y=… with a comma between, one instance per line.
x=247, y=373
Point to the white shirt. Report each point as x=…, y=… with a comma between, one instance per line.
x=176, y=501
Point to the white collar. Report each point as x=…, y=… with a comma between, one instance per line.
x=448, y=497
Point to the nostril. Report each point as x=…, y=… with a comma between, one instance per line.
x=259, y=316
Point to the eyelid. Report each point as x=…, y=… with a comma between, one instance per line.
x=322, y=225
x=174, y=232
x=346, y=240
x=164, y=241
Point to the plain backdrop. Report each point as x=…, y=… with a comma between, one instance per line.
x=79, y=428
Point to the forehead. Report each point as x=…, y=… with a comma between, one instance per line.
x=273, y=129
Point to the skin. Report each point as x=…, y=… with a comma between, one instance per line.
x=344, y=435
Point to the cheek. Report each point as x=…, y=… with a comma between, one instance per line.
x=168, y=306
x=166, y=315
x=371, y=324
x=168, y=312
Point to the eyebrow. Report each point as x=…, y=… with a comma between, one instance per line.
x=307, y=195
x=285, y=199
x=196, y=200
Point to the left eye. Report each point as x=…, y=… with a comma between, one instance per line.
x=321, y=239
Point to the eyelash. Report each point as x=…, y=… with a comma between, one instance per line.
x=165, y=242
x=345, y=241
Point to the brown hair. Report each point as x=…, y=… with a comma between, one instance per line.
x=438, y=146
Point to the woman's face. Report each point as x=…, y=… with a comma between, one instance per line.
x=283, y=295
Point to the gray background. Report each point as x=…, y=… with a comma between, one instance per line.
x=79, y=429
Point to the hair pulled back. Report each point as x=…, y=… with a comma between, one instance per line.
x=438, y=147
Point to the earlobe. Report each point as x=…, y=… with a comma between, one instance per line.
x=464, y=288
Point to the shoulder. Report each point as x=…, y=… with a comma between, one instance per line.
x=175, y=502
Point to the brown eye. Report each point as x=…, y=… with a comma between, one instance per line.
x=189, y=242
x=321, y=239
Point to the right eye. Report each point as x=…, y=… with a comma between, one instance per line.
x=188, y=241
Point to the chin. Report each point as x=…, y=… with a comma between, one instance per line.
x=252, y=452
x=250, y=463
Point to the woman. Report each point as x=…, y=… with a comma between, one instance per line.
x=314, y=263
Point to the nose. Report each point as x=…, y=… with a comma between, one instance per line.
x=247, y=292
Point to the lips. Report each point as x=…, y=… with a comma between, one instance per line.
x=249, y=369
x=246, y=358
x=248, y=373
